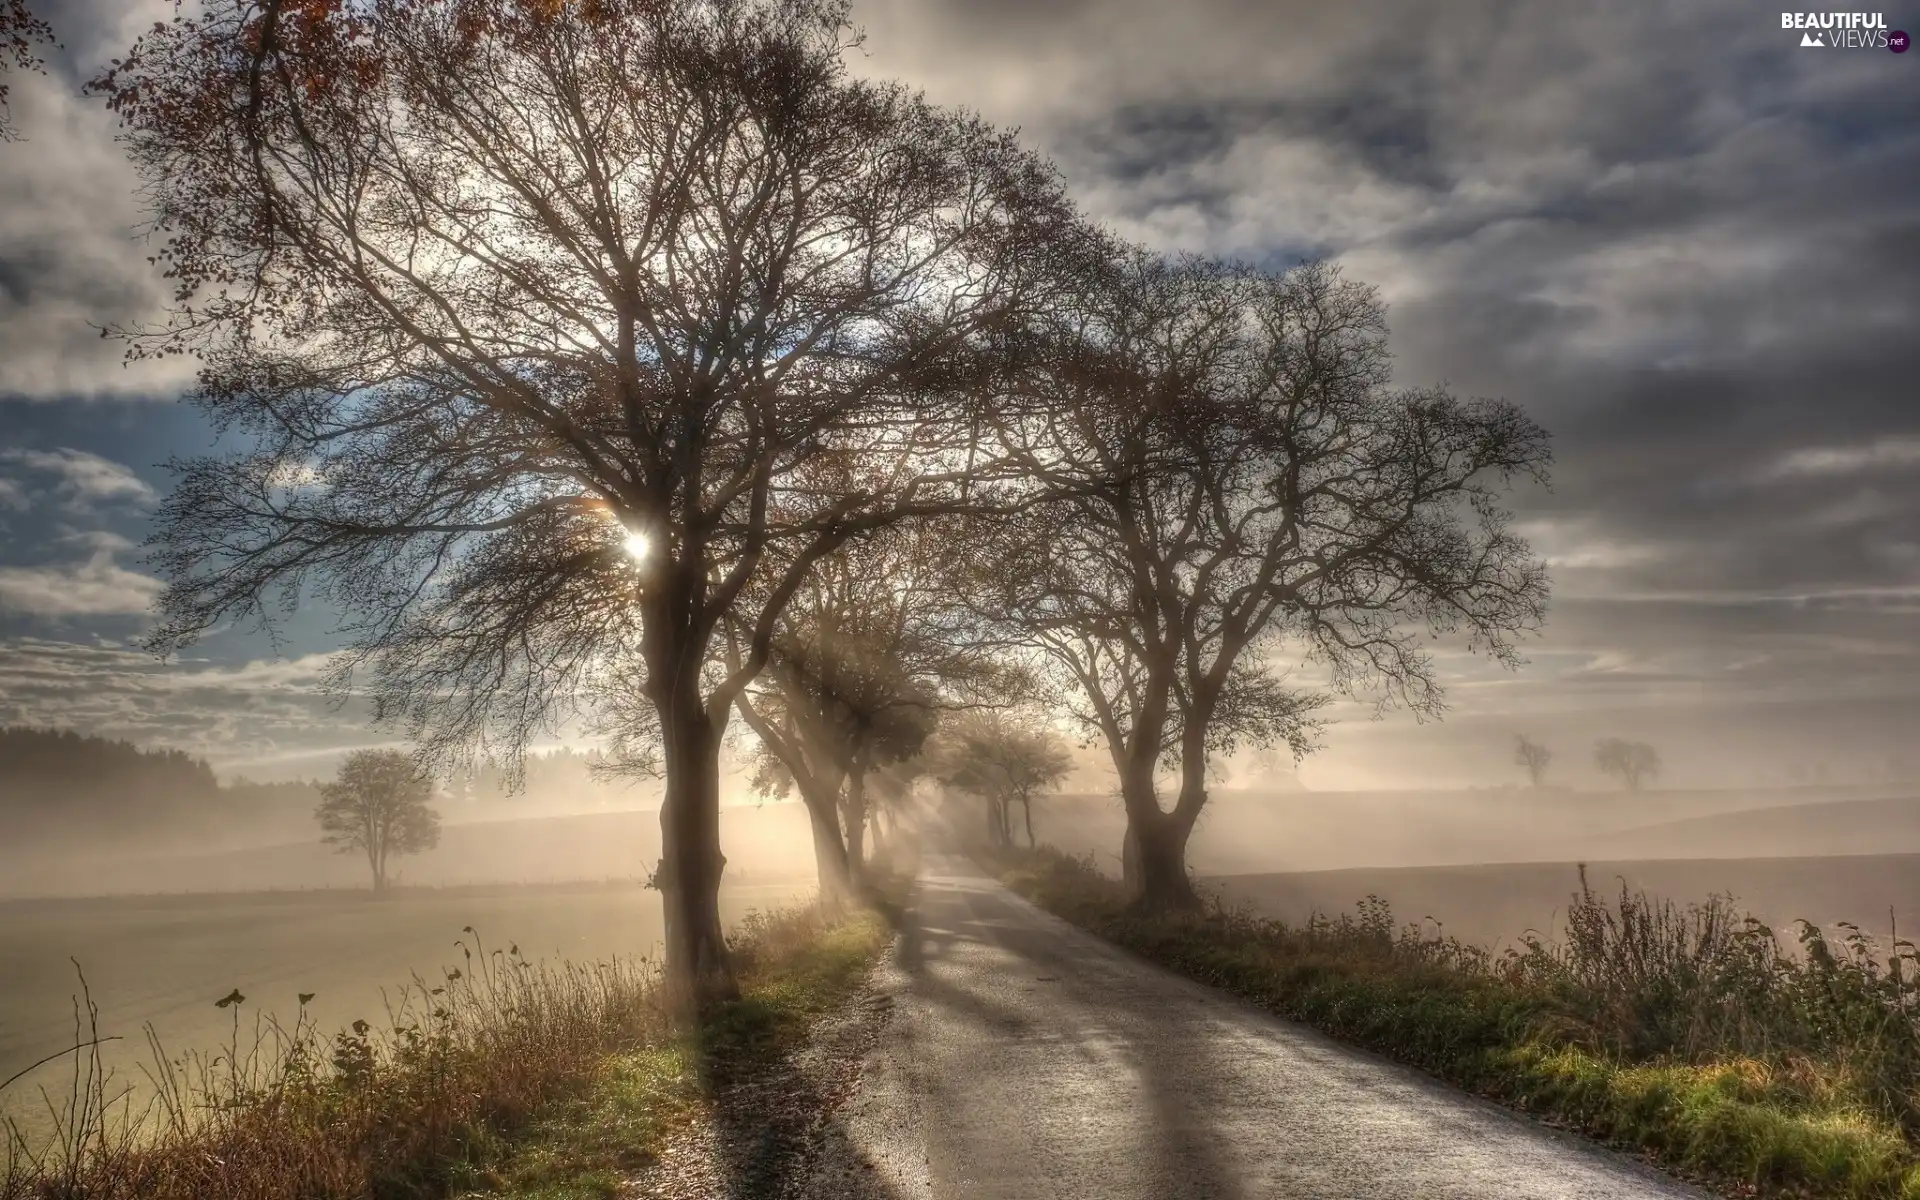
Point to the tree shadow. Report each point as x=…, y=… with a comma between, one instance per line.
x=774, y=1086
x=1157, y=1053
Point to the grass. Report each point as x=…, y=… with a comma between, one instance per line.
x=1690, y=1034
x=503, y=1078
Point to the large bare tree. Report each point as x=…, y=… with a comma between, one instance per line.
x=540, y=317
x=1238, y=482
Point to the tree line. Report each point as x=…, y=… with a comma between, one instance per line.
x=635, y=359
x=63, y=789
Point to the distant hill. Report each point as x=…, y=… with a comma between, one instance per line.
x=66, y=795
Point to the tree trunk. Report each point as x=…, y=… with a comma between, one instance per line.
x=1027, y=805
x=1163, y=882
x=698, y=973
x=822, y=798
x=829, y=853
x=882, y=852
x=857, y=819
x=1154, y=858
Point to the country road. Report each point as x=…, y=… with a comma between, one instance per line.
x=1025, y=1059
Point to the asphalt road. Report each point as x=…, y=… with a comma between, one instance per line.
x=1027, y=1059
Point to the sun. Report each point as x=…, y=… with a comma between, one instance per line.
x=638, y=547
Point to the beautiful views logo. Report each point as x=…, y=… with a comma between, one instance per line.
x=1845, y=31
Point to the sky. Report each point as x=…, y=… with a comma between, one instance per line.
x=1687, y=245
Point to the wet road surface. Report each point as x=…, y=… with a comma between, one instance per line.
x=1028, y=1059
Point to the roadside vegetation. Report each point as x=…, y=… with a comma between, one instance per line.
x=505, y=1077
x=1694, y=1035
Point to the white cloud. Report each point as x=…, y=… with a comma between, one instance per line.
x=70, y=259
x=1884, y=454
x=99, y=586
x=81, y=479
x=256, y=712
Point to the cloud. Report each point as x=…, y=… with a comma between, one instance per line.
x=71, y=259
x=253, y=713
x=1689, y=248
x=80, y=479
x=1886, y=454
x=96, y=586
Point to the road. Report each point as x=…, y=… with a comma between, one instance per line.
x=1027, y=1059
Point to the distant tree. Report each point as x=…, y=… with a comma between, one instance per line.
x=378, y=806
x=1633, y=763
x=1005, y=762
x=1533, y=757
x=65, y=786
x=21, y=36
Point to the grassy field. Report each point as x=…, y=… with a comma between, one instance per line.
x=165, y=960
x=512, y=1080
x=1492, y=905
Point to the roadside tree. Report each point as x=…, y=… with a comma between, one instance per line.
x=536, y=318
x=865, y=661
x=1004, y=760
x=1239, y=482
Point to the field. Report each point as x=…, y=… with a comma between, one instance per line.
x=1492, y=905
x=165, y=960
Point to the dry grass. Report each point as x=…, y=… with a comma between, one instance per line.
x=471, y=1074
x=1691, y=1032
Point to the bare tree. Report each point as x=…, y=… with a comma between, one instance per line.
x=542, y=318
x=1242, y=481
x=1531, y=757
x=1005, y=761
x=378, y=806
x=1633, y=763
x=22, y=35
